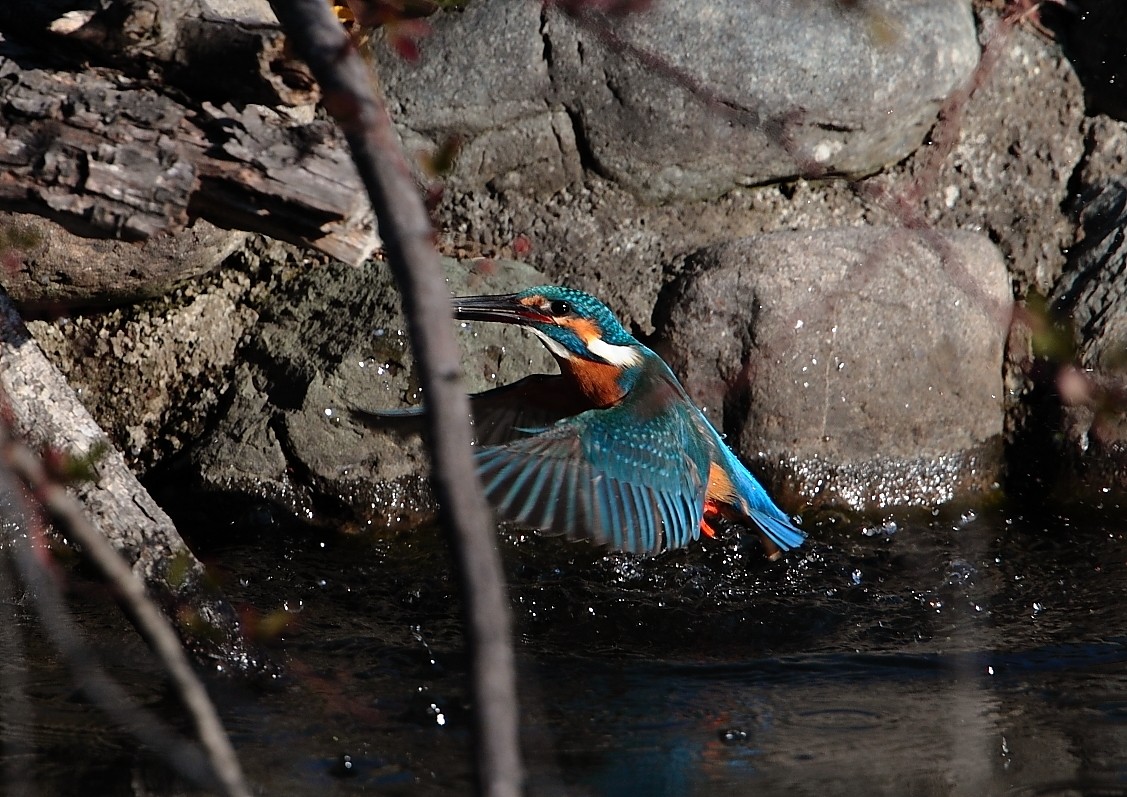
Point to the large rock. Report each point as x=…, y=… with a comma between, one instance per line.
x=693, y=99
x=863, y=366
x=733, y=93
x=152, y=374
x=1018, y=141
x=330, y=340
x=483, y=80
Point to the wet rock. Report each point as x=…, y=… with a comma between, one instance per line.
x=1093, y=388
x=330, y=340
x=863, y=367
x=1105, y=155
x=811, y=88
x=47, y=267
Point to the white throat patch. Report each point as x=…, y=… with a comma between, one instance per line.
x=622, y=356
x=554, y=346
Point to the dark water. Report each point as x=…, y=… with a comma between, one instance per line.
x=974, y=653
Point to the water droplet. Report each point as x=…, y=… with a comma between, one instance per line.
x=733, y=735
x=344, y=767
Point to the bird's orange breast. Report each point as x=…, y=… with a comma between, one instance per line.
x=718, y=498
x=598, y=382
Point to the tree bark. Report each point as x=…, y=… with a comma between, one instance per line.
x=113, y=153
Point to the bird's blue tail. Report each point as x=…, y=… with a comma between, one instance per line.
x=780, y=529
x=770, y=519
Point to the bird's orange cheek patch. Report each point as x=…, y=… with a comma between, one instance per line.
x=585, y=329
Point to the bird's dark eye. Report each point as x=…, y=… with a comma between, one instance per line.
x=559, y=307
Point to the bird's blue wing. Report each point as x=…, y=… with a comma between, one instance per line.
x=499, y=415
x=632, y=480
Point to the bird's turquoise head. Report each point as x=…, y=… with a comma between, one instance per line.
x=571, y=323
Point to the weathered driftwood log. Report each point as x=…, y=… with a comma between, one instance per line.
x=112, y=153
x=217, y=49
x=46, y=412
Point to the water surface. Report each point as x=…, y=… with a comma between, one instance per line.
x=957, y=653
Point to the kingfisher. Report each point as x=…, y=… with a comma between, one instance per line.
x=611, y=449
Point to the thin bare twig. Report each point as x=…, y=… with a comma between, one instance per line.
x=221, y=759
x=218, y=768
x=351, y=97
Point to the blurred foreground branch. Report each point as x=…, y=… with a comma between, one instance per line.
x=217, y=767
x=42, y=408
x=349, y=95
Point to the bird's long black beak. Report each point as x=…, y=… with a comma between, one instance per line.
x=505, y=308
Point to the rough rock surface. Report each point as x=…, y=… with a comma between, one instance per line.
x=46, y=266
x=483, y=80
x=863, y=365
x=1020, y=139
x=152, y=374
x=1014, y=149
x=787, y=89
x=330, y=340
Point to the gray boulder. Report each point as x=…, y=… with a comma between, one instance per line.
x=863, y=367
x=483, y=79
x=734, y=93
x=685, y=100
x=152, y=374
x=47, y=266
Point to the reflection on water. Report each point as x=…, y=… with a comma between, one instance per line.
x=961, y=655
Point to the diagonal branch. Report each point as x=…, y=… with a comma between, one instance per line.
x=219, y=768
x=350, y=96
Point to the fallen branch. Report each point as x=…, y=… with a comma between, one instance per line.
x=107, y=155
x=349, y=94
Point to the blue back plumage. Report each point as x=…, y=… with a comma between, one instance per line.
x=602, y=476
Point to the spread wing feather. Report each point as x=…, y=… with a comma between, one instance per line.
x=499, y=415
x=630, y=477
